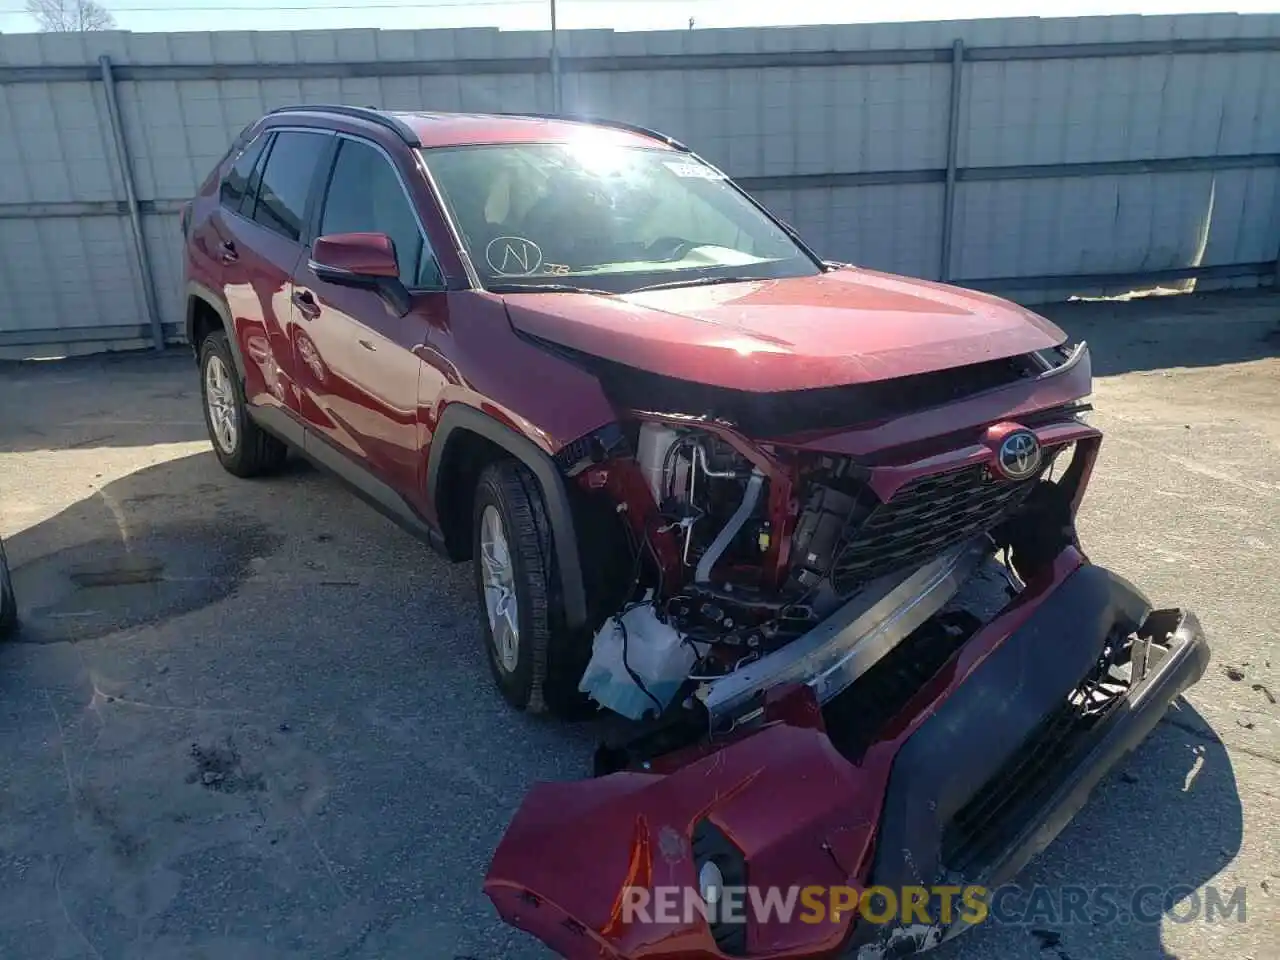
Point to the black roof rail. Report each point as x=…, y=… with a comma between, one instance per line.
x=407, y=134
x=604, y=122
x=372, y=114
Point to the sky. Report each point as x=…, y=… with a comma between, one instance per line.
x=164, y=15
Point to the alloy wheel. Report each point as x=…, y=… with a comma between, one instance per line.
x=498, y=577
x=221, y=400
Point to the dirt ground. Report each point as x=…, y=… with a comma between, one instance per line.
x=252, y=720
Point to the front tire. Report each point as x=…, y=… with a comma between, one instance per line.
x=534, y=660
x=242, y=447
x=8, y=600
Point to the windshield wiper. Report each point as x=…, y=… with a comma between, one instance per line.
x=545, y=288
x=694, y=282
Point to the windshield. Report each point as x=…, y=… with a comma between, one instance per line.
x=596, y=215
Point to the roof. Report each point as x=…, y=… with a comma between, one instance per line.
x=432, y=129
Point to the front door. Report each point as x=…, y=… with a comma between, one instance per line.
x=354, y=357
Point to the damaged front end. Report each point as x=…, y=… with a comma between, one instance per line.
x=861, y=656
x=760, y=562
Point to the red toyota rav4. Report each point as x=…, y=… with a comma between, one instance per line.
x=811, y=526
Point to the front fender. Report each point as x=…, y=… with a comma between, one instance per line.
x=460, y=417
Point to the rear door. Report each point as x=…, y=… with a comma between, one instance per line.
x=224, y=244
x=356, y=360
x=259, y=245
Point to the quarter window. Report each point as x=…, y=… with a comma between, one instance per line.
x=286, y=181
x=235, y=185
x=365, y=196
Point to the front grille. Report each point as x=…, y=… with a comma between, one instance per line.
x=924, y=518
x=984, y=826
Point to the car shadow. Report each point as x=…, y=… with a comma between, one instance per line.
x=243, y=706
x=262, y=703
x=1162, y=332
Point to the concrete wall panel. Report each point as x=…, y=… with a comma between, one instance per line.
x=71, y=266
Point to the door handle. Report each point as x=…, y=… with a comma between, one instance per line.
x=306, y=304
x=367, y=344
x=228, y=252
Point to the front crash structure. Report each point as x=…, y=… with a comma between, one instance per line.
x=891, y=669
x=973, y=773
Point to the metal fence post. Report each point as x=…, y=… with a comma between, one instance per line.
x=557, y=96
x=141, y=260
x=953, y=149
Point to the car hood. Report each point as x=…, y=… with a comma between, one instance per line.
x=844, y=327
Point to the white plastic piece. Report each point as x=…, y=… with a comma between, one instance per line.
x=655, y=441
x=656, y=652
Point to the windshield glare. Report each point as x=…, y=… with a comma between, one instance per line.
x=624, y=217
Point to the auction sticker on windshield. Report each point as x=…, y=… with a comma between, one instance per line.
x=693, y=171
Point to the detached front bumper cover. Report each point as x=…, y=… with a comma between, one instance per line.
x=914, y=808
x=1174, y=655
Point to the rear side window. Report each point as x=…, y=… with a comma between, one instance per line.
x=236, y=182
x=286, y=181
x=365, y=196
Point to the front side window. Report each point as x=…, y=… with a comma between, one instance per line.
x=617, y=217
x=236, y=183
x=365, y=196
x=286, y=181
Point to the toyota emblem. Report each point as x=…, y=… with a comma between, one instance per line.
x=1018, y=456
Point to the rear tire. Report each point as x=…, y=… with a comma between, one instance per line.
x=242, y=447
x=8, y=600
x=535, y=661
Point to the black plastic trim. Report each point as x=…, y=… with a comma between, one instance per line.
x=972, y=734
x=1145, y=705
x=200, y=292
x=967, y=740
x=361, y=482
x=458, y=416
x=710, y=845
x=369, y=114
x=281, y=425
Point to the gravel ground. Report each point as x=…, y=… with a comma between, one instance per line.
x=252, y=720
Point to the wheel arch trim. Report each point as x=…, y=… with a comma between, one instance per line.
x=198, y=291
x=460, y=417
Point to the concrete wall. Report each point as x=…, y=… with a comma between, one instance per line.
x=1084, y=155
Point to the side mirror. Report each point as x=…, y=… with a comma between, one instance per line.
x=366, y=260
